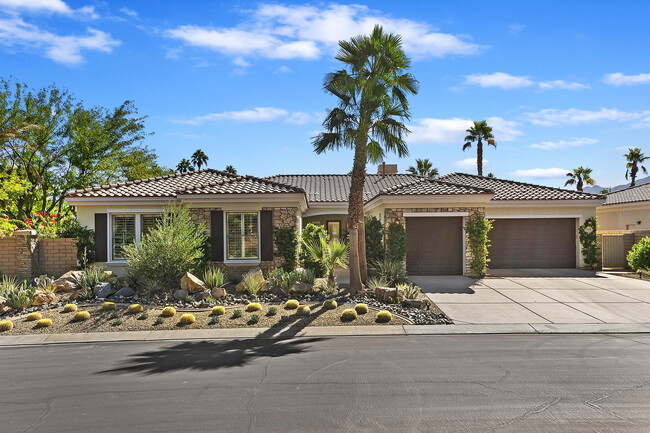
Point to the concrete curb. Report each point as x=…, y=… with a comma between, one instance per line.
x=324, y=331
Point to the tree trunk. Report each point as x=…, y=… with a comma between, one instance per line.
x=579, y=187
x=355, y=210
x=479, y=157
x=633, y=175
x=363, y=262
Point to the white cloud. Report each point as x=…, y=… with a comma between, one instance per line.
x=455, y=129
x=541, y=173
x=63, y=49
x=498, y=79
x=257, y=114
x=129, y=12
x=306, y=32
x=619, y=79
x=575, y=116
x=572, y=142
x=515, y=29
x=470, y=163
x=282, y=70
x=57, y=6
x=561, y=84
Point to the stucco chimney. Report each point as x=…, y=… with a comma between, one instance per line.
x=385, y=169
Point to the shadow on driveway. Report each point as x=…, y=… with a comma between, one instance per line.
x=444, y=284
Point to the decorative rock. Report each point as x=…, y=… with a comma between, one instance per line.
x=388, y=293
x=103, y=290
x=109, y=275
x=192, y=284
x=201, y=296
x=68, y=282
x=320, y=283
x=299, y=288
x=255, y=273
x=219, y=293
x=180, y=294
x=125, y=292
x=41, y=298
x=414, y=303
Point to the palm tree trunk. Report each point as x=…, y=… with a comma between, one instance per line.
x=363, y=263
x=633, y=174
x=355, y=211
x=479, y=157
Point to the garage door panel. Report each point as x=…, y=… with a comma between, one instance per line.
x=533, y=243
x=434, y=245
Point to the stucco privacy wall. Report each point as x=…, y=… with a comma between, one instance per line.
x=25, y=256
x=624, y=217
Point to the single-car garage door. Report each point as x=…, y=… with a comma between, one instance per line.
x=434, y=245
x=533, y=243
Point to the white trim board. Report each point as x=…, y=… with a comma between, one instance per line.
x=435, y=214
x=542, y=216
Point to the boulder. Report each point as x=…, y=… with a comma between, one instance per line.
x=125, y=292
x=68, y=282
x=180, y=294
x=414, y=303
x=103, y=290
x=201, y=296
x=388, y=293
x=320, y=283
x=41, y=298
x=255, y=273
x=218, y=293
x=192, y=284
x=299, y=288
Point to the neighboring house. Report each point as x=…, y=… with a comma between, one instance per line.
x=535, y=226
x=627, y=209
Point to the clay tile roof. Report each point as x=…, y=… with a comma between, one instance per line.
x=632, y=194
x=512, y=190
x=425, y=186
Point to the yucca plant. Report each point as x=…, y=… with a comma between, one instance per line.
x=282, y=280
x=19, y=295
x=374, y=282
x=391, y=271
x=91, y=276
x=330, y=254
x=214, y=277
x=252, y=284
x=307, y=276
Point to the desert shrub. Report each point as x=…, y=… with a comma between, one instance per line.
x=291, y=304
x=134, y=309
x=44, y=283
x=6, y=325
x=272, y=311
x=311, y=233
x=218, y=311
x=253, y=306
x=374, y=240
x=348, y=314
x=396, y=242
x=117, y=322
x=252, y=284
x=143, y=316
x=85, y=242
x=31, y=317
x=114, y=315
x=286, y=240
x=279, y=279
x=91, y=276
x=214, y=320
x=477, y=229
x=86, y=294
x=44, y=323
x=330, y=304
x=19, y=295
x=389, y=271
x=303, y=310
x=80, y=316
x=639, y=256
x=168, y=312
x=411, y=291
x=187, y=319
x=236, y=314
x=169, y=250
x=589, y=242
x=361, y=308
x=384, y=316
x=69, y=308
x=306, y=276
x=214, y=277
x=108, y=306
x=374, y=282
x=159, y=320
x=254, y=319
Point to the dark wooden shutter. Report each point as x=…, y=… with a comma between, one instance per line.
x=266, y=229
x=101, y=237
x=216, y=232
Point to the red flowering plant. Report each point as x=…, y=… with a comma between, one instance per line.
x=48, y=225
x=6, y=227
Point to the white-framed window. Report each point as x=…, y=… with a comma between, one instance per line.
x=127, y=228
x=242, y=236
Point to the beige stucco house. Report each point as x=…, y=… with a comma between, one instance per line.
x=627, y=209
x=534, y=226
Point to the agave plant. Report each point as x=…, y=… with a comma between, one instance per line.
x=44, y=283
x=252, y=284
x=391, y=271
x=330, y=254
x=214, y=277
x=91, y=276
x=411, y=291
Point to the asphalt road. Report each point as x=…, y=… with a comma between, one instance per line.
x=526, y=383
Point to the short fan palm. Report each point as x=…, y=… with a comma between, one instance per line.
x=330, y=254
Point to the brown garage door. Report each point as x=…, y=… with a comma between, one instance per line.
x=434, y=245
x=533, y=243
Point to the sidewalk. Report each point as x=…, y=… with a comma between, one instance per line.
x=326, y=331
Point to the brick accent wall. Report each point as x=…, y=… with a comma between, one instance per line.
x=392, y=215
x=25, y=256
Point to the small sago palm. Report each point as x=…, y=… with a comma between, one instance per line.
x=478, y=134
x=424, y=167
x=634, y=159
x=330, y=254
x=579, y=177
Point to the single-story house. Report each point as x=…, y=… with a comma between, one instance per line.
x=535, y=226
x=627, y=209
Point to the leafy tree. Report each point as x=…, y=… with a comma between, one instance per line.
x=184, y=166
x=138, y=163
x=230, y=169
x=478, y=134
x=579, y=177
x=424, y=167
x=374, y=240
x=635, y=158
x=199, y=159
x=396, y=242
x=372, y=105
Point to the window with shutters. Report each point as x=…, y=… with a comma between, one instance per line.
x=242, y=236
x=127, y=229
x=148, y=222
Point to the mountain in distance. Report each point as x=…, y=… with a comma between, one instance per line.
x=596, y=189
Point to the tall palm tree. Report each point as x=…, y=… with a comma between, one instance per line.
x=230, y=169
x=579, y=176
x=184, y=166
x=478, y=133
x=424, y=167
x=199, y=159
x=372, y=103
x=634, y=158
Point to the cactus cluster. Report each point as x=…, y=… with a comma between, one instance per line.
x=361, y=308
x=168, y=312
x=253, y=306
x=6, y=325
x=384, y=316
x=348, y=314
x=187, y=319
x=33, y=316
x=303, y=310
x=44, y=323
x=108, y=306
x=292, y=304
x=69, y=308
x=218, y=311
x=135, y=309
x=80, y=316
x=330, y=304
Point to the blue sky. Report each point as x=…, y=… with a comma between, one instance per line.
x=563, y=83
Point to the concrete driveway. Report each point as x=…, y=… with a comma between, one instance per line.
x=541, y=297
